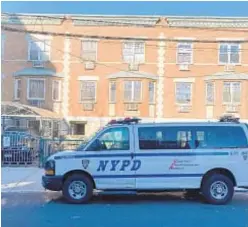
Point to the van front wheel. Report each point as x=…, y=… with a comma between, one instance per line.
x=218, y=189
x=78, y=188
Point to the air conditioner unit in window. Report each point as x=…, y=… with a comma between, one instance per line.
x=88, y=106
x=133, y=67
x=184, y=109
x=229, y=68
x=183, y=67
x=89, y=65
x=231, y=109
x=38, y=64
x=131, y=107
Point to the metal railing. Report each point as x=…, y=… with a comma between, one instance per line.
x=19, y=148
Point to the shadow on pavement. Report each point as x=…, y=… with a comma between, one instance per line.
x=139, y=198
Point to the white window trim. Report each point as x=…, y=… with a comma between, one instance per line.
x=152, y=103
x=206, y=93
x=39, y=79
x=82, y=101
x=132, y=91
x=133, y=41
x=93, y=40
x=112, y=102
x=231, y=88
x=29, y=47
x=191, y=94
x=59, y=98
x=192, y=53
x=15, y=89
x=229, y=63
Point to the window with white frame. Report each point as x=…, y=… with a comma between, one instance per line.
x=209, y=92
x=229, y=53
x=132, y=91
x=36, y=89
x=112, y=92
x=89, y=50
x=39, y=50
x=183, y=92
x=231, y=92
x=56, y=90
x=151, y=92
x=88, y=91
x=134, y=52
x=184, y=53
x=17, y=91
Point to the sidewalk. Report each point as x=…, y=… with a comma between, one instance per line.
x=28, y=179
x=21, y=179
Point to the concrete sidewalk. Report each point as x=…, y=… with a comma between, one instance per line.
x=28, y=179
x=21, y=179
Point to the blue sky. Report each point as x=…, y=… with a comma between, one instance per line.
x=130, y=8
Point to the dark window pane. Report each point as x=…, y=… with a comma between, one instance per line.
x=220, y=137
x=165, y=138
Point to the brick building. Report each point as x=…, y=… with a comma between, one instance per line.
x=173, y=68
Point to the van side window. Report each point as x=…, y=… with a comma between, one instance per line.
x=112, y=139
x=164, y=138
x=220, y=137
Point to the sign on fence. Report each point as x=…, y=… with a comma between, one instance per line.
x=6, y=141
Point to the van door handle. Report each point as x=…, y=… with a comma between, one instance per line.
x=132, y=155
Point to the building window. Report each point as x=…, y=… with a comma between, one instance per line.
x=39, y=50
x=210, y=93
x=183, y=92
x=151, y=92
x=88, y=91
x=231, y=92
x=134, y=52
x=89, y=50
x=229, y=53
x=184, y=53
x=36, y=89
x=17, y=93
x=132, y=91
x=56, y=90
x=112, y=92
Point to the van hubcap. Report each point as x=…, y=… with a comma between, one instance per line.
x=77, y=189
x=219, y=190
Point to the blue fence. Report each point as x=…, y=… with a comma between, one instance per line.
x=51, y=146
x=21, y=148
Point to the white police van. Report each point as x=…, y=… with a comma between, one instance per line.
x=207, y=158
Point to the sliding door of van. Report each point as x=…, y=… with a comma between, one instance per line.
x=166, y=157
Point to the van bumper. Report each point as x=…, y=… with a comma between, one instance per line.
x=53, y=183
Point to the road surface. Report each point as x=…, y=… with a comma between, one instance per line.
x=48, y=209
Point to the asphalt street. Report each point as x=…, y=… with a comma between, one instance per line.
x=48, y=209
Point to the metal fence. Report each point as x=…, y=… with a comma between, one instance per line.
x=19, y=148
x=51, y=146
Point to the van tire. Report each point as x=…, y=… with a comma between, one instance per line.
x=217, y=185
x=77, y=189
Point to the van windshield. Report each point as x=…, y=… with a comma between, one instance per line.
x=86, y=141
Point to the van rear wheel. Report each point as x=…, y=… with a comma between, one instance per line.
x=78, y=188
x=218, y=189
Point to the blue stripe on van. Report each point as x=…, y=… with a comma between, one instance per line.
x=148, y=175
x=172, y=154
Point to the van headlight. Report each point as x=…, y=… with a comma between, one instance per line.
x=49, y=168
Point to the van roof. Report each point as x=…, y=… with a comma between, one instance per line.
x=206, y=123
